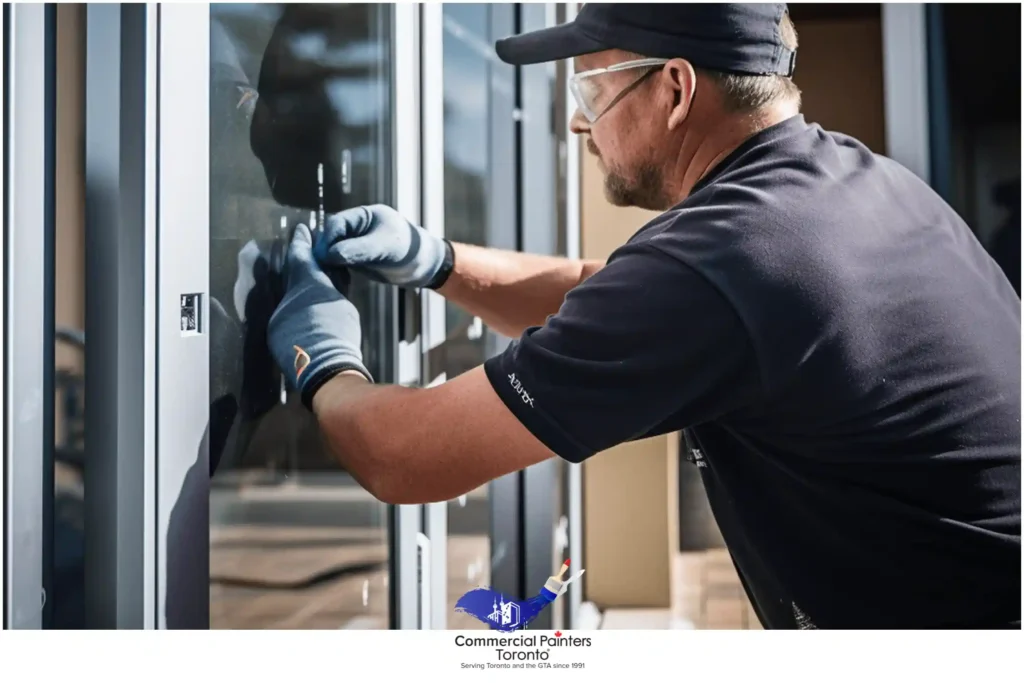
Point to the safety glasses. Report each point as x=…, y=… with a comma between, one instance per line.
x=593, y=100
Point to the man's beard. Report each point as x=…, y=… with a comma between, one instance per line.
x=644, y=191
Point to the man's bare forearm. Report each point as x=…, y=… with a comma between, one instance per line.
x=509, y=290
x=412, y=446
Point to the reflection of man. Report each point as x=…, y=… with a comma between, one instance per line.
x=843, y=355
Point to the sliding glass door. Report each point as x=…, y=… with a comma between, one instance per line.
x=210, y=133
x=299, y=102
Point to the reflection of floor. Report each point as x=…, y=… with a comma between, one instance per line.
x=468, y=568
x=296, y=578
x=306, y=578
x=292, y=578
x=707, y=595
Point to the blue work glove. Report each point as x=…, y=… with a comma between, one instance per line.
x=380, y=243
x=314, y=334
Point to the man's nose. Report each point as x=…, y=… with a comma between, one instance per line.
x=578, y=124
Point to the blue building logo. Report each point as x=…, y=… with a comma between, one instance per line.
x=503, y=613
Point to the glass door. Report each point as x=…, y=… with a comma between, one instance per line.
x=302, y=117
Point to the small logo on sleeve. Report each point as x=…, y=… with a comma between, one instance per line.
x=518, y=386
x=301, y=361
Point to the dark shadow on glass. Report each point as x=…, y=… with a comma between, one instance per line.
x=187, y=603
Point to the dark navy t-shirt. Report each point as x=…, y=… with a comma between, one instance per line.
x=844, y=358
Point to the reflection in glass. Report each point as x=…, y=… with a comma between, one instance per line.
x=65, y=608
x=299, y=126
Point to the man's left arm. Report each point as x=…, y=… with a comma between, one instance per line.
x=411, y=446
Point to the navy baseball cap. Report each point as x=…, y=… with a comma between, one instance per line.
x=735, y=38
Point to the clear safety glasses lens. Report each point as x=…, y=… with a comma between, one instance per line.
x=581, y=86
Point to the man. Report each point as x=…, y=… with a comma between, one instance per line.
x=842, y=353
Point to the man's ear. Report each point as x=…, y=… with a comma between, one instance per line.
x=681, y=78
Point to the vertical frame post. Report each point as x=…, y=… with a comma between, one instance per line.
x=574, y=472
x=905, y=64
x=119, y=355
x=5, y=61
x=410, y=576
x=29, y=118
x=183, y=357
x=435, y=522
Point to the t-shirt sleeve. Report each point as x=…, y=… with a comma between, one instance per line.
x=645, y=343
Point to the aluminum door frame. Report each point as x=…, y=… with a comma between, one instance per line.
x=183, y=359
x=120, y=259
x=410, y=548
x=4, y=62
x=28, y=277
x=574, y=471
x=435, y=521
x=905, y=75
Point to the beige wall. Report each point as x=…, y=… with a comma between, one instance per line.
x=839, y=72
x=630, y=520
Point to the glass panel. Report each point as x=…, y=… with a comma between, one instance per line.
x=300, y=124
x=471, y=75
x=467, y=159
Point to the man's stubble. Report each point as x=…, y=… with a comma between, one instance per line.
x=643, y=191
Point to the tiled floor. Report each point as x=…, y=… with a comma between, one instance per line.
x=707, y=595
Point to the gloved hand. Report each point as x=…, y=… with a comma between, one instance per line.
x=314, y=334
x=380, y=243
